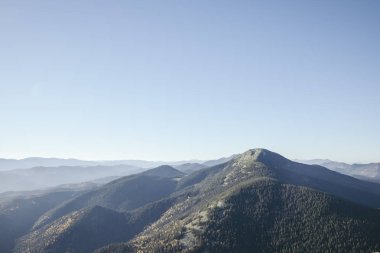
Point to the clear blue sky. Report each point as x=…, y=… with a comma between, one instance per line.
x=170, y=80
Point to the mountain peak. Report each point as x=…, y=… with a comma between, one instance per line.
x=164, y=171
x=261, y=155
x=257, y=162
x=253, y=163
x=255, y=153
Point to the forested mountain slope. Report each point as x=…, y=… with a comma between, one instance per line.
x=262, y=202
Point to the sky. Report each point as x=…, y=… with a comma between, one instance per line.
x=199, y=79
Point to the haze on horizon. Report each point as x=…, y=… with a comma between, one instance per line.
x=181, y=80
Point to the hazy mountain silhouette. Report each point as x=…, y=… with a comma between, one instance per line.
x=369, y=171
x=30, y=162
x=43, y=177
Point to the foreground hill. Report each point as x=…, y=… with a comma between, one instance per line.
x=257, y=202
x=18, y=214
x=80, y=231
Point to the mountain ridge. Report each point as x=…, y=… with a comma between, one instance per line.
x=186, y=236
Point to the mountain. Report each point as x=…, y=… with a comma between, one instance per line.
x=43, y=177
x=340, y=167
x=27, y=163
x=123, y=194
x=370, y=171
x=257, y=201
x=211, y=163
x=164, y=171
x=188, y=168
x=104, y=213
x=149, y=164
x=262, y=202
x=39, y=173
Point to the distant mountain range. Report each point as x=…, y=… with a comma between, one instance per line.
x=52, y=172
x=27, y=163
x=44, y=177
x=257, y=201
x=369, y=171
